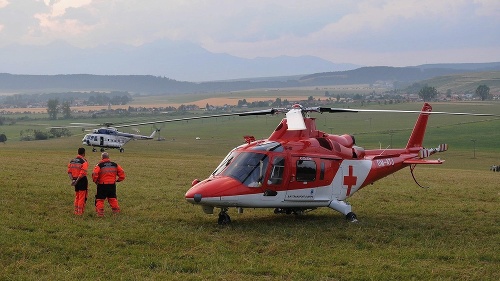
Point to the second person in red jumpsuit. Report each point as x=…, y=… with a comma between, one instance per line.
x=106, y=174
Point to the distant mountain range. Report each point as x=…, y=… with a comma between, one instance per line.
x=147, y=84
x=182, y=61
x=168, y=67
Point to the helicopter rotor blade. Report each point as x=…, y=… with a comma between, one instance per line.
x=258, y=112
x=86, y=124
x=81, y=125
x=249, y=113
x=341, y=110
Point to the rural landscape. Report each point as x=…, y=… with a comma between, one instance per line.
x=324, y=140
x=449, y=230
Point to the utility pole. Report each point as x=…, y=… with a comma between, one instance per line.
x=391, y=133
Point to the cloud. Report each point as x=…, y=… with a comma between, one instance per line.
x=338, y=30
x=393, y=28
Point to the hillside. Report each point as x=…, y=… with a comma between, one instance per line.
x=398, y=76
x=466, y=82
x=446, y=76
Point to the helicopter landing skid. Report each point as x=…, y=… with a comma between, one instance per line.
x=295, y=211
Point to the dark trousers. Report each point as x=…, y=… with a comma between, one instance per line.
x=106, y=191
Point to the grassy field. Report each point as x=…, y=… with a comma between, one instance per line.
x=231, y=98
x=450, y=231
x=467, y=82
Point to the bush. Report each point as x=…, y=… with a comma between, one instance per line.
x=57, y=133
x=39, y=135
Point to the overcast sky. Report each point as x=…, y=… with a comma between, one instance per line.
x=364, y=32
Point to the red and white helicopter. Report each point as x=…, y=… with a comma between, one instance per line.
x=300, y=168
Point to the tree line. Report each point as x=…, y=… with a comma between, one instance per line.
x=85, y=98
x=428, y=93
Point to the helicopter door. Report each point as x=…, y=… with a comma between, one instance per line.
x=101, y=141
x=323, y=184
x=302, y=186
x=275, y=180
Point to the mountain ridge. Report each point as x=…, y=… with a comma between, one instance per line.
x=157, y=85
x=182, y=61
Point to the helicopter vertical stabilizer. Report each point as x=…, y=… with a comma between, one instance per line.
x=418, y=133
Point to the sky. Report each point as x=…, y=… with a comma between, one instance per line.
x=363, y=32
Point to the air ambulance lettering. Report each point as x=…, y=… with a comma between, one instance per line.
x=300, y=195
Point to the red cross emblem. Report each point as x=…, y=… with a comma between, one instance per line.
x=350, y=180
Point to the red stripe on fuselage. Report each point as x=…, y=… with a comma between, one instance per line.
x=221, y=186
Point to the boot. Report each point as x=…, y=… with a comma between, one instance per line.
x=99, y=207
x=113, y=202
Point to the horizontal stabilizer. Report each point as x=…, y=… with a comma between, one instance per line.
x=426, y=152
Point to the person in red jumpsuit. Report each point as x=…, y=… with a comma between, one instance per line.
x=77, y=173
x=106, y=174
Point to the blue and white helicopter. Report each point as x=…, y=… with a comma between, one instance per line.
x=107, y=137
x=110, y=137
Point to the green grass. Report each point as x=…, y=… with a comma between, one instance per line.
x=449, y=231
x=294, y=94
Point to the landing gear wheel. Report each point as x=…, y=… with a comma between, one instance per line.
x=351, y=217
x=93, y=149
x=121, y=150
x=224, y=217
x=102, y=149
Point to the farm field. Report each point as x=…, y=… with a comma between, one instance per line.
x=450, y=231
x=226, y=98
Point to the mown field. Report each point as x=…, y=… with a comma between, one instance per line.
x=450, y=231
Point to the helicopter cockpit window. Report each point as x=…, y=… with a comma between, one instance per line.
x=278, y=167
x=227, y=160
x=248, y=168
x=306, y=170
x=269, y=146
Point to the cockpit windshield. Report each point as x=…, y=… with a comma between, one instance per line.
x=248, y=168
x=227, y=160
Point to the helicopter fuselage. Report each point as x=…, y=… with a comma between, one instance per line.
x=297, y=170
x=105, y=140
x=110, y=138
x=296, y=173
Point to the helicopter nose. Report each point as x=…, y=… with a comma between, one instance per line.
x=211, y=190
x=194, y=195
